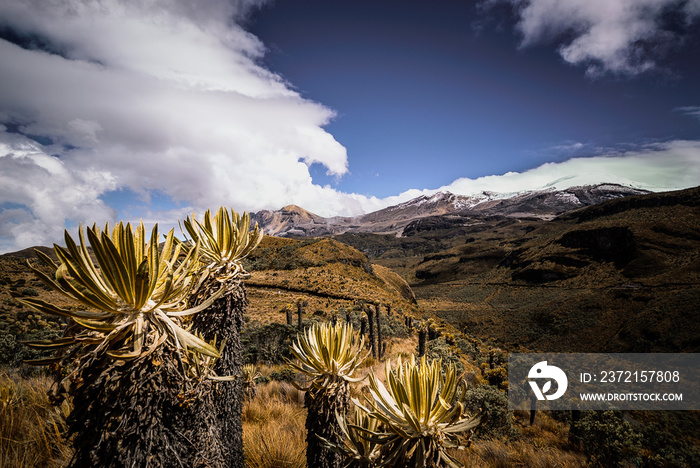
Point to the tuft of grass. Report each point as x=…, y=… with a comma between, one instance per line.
x=271, y=446
x=31, y=429
x=496, y=453
x=274, y=435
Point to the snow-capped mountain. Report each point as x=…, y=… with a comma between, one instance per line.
x=449, y=207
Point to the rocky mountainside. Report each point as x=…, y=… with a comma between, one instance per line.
x=438, y=211
x=290, y=221
x=619, y=276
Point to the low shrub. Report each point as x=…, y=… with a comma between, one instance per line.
x=607, y=439
x=439, y=349
x=496, y=420
x=266, y=342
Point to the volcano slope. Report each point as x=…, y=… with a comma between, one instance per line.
x=620, y=276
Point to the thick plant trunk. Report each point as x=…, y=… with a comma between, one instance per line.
x=370, y=320
x=300, y=312
x=429, y=461
x=321, y=421
x=422, y=338
x=224, y=320
x=142, y=413
x=379, y=330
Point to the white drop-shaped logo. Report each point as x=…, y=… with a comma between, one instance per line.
x=543, y=371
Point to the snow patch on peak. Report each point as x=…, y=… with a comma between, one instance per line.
x=567, y=197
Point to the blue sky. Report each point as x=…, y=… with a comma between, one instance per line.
x=428, y=92
x=152, y=109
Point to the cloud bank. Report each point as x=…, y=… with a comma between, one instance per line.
x=617, y=36
x=660, y=167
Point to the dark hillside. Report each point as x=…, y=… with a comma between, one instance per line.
x=621, y=276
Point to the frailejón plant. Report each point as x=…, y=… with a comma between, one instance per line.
x=421, y=414
x=135, y=371
x=328, y=357
x=250, y=374
x=224, y=239
x=135, y=294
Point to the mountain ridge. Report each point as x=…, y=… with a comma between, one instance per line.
x=295, y=221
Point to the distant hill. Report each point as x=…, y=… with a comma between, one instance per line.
x=286, y=220
x=324, y=268
x=28, y=253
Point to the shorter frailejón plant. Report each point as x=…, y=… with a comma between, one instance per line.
x=250, y=374
x=421, y=414
x=224, y=240
x=328, y=357
x=357, y=450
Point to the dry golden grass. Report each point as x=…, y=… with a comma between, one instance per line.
x=267, y=304
x=543, y=444
x=31, y=430
x=395, y=281
x=274, y=435
x=330, y=283
x=546, y=432
x=501, y=454
x=272, y=445
x=273, y=428
x=402, y=348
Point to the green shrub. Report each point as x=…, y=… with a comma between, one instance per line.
x=496, y=420
x=8, y=348
x=393, y=326
x=266, y=342
x=439, y=349
x=13, y=352
x=607, y=439
x=664, y=448
x=284, y=375
x=498, y=377
x=29, y=292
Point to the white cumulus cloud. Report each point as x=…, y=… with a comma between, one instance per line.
x=148, y=96
x=618, y=36
x=39, y=193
